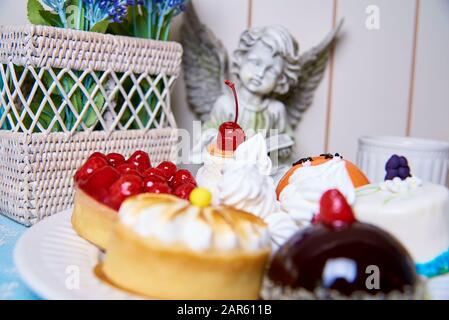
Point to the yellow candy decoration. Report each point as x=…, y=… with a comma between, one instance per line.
x=200, y=197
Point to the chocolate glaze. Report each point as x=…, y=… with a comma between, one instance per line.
x=336, y=259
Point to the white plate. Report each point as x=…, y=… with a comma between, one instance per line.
x=50, y=255
x=51, y=258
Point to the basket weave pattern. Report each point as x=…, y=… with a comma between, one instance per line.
x=65, y=94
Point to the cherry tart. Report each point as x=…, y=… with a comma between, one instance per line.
x=104, y=182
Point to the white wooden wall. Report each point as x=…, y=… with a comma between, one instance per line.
x=391, y=81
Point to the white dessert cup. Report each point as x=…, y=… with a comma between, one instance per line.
x=428, y=159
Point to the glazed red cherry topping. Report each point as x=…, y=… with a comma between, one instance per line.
x=91, y=165
x=335, y=210
x=168, y=168
x=140, y=160
x=155, y=172
x=111, y=180
x=98, y=155
x=183, y=191
x=115, y=159
x=127, y=185
x=158, y=187
x=230, y=134
x=127, y=168
x=181, y=177
x=99, y=182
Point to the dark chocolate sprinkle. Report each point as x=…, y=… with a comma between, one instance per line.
x=302, y=160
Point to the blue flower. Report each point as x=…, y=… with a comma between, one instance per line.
x=164, y=7
x=115, y=10
x=57, y=5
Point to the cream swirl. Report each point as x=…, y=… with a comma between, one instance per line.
x=200, y=229
x=245, y=188
x=281, y=227
x=397, y=185
x=300, y=198
x=254, y=151
x=209, y=175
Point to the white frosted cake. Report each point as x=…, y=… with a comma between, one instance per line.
x=416, y=213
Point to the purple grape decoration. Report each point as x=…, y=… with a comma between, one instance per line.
x=397, y=166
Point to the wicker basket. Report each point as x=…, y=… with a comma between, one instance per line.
x=65, y=94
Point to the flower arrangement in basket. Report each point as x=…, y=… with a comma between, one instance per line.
x=81, y=79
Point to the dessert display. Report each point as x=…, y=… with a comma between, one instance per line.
x=221, y=150
x=300, y=189
x=105, y=181
x=167, y=247
x=416, y=212
x=340, y=258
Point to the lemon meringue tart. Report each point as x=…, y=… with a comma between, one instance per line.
x=169, y=248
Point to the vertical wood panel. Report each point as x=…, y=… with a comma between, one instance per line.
x=309, y=21
x=372, y=73
x=413, y=69
x=330, y=82
x=431, y=95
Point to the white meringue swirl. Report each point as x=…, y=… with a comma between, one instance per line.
x=281, y=227
x=253, y=151
x=245, y=188
x=300, y=198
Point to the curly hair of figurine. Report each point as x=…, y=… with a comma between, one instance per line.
x=281, y=42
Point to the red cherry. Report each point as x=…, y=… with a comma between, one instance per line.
x=155, y=172
x=168, y=168
x=230, y=134
x=335, y=210
x=127, y=185
x=149, y=182
x=181, y=177
x=140, y=160
x=88, y=168
x=115, y=159
x=158, y=187
x=97, y=155
x=127, y=168
x=100, y=181
x=183, y=191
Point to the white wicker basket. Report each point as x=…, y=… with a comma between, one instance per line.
x=65, y=94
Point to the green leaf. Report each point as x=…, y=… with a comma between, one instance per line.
x=141, y=27
x=51, y=19
x=120, y=29
x=91, y=117
x=34, y=8
x=101, y=26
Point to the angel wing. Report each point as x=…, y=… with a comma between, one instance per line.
x=205, y=64
x=313, y=64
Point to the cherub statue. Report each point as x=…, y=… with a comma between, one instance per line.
x=275, y=84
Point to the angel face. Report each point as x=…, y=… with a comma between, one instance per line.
x=260, y=69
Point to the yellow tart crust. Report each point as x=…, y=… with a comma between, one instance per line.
x=158, y=270
x=92, y=220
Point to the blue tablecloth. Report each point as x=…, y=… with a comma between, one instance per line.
x=11, y=286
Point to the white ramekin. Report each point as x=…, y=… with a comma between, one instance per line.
x=428, y=159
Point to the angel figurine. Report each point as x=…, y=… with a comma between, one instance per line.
x=275, y=84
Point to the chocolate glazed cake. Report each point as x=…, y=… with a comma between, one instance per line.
x=340, y=258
